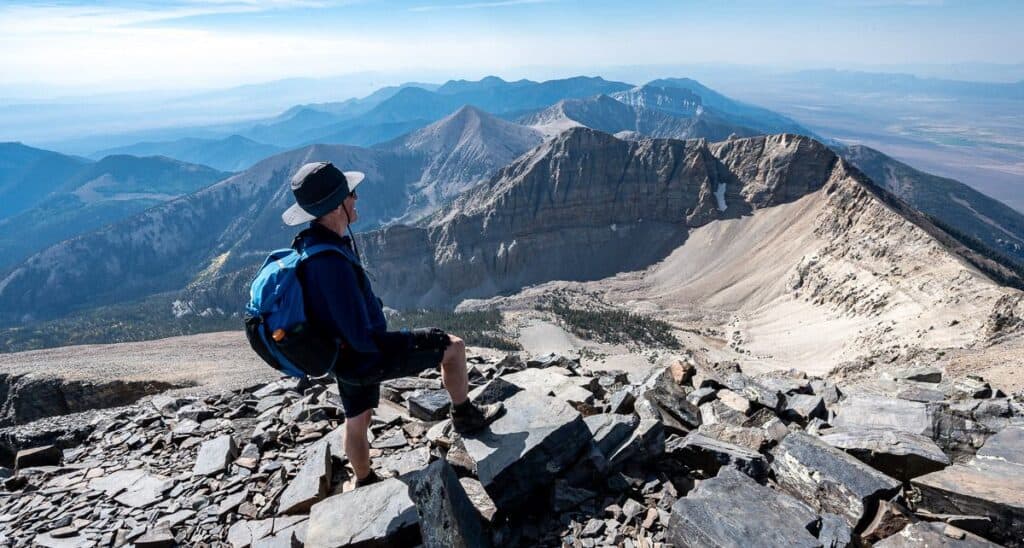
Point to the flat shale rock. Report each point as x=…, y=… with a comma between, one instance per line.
x=828, y=479
x=934, y=535
x=496, y=390
x=610, y=430
x=135, y=488
x=429, y=405
x=525, y=448
x=709, y=454
x=752, y=438
x=47, y=455
x=310, y=484
x=732, y=510
x=378, y=515
x=447, y=516
x=991, y=484
x=885, y=413
x=215, y=455
x=897, y=453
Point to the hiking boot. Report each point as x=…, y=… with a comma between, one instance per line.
x=474, y=417
x=370, y=479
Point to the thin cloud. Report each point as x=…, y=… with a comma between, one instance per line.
x=479, y=5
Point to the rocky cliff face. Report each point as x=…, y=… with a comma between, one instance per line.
x=587, y=206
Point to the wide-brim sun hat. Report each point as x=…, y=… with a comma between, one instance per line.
x=319, y=188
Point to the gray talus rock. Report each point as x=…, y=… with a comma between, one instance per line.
x=47, y=455
x=934, y=535
x=429, y=405
x=136, y=488
x=829, y=479
x=709, y=454
x=447, y=516
x=897, y=453
x=885, y=413
x=732, y=510
x=310, y=484
x=991, y=484
x=378, y=515
x=526, y=447
x=215, y=455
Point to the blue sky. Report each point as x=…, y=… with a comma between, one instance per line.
x=169, y=44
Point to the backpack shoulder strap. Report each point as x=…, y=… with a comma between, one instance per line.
x=316, y=249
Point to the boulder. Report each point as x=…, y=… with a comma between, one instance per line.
x=670, y=400
x=536, y=438
x=310, y=484
x=215, y=455
x=733, y=510
x=890, y=518
x=885, y=413
x=897, y=453
x=377, y=515
x=496, y=390
x=717, y=412
x=754, y=439
x=921, y=373
x=429, y=405
x=610, y=430
x=991, y=484
x=934, y=535
x=709, y=454
x=828, y=479
x=804, y=407
x=47, y=455
x=834, y=532
x=447, y=516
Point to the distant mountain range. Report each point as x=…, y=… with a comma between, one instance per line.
x=456, y=142
x=232, y=153
x=61, y=197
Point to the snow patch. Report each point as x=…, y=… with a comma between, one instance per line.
x=613, y=227
x=720, y=196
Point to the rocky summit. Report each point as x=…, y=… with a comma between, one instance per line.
x=695, y=453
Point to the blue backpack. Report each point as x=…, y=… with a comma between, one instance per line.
x=275, y=320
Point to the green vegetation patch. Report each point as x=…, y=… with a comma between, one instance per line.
x=614, y=326
x=478, y=328
x=144, y=320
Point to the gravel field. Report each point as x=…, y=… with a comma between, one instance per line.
x=210, y=363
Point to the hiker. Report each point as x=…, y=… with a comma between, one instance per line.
x=339, y=302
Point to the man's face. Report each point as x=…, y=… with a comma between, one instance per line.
x=350, y=207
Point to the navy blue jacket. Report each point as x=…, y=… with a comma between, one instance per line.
x=339, y=300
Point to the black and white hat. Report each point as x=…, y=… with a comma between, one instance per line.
x=319, y=188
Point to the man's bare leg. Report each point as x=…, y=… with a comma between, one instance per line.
x=453, y=370
x=357, y=443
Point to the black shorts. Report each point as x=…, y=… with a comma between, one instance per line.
x=361, y=393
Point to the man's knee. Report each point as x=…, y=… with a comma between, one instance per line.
x=456, y=349
x=359, y=424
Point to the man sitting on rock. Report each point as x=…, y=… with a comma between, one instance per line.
x=339, y=301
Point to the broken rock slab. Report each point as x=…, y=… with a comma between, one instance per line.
x=310, y=484
x=733, y=510
x=885, y=413
x=709, y=455
x=536, y=438
x=991, y=484
x=215, y=455
x=429, y=405
x=897, y=453
x=934, y=535
x=47, y=455
x=381, y=514
x=447, y=517
x=828, y=479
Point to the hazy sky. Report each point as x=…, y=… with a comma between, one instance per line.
x=174, y=44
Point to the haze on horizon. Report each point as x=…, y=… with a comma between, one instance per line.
x=72, y=47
